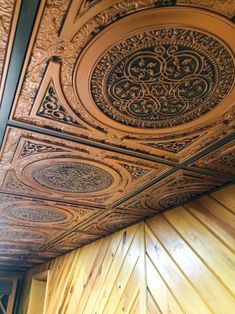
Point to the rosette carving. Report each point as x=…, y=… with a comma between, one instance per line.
x=162, y=78
x=73, y=177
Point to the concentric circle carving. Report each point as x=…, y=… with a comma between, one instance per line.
x=21, y=235
x=178, y=198
x=72, y=177
x=149, y=73
x=162, y=78
x=36, y=214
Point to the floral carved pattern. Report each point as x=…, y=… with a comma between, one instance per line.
x=72, y=177
x=7, y=8
x=228, y=160
x=37, y=214
x=15, y=184
x=89, y=150
x=152, y=82
x=52, y=108
x=222, y=160
x=136, y=172
x=179, y=198
x=174, y=146
x=20, y=235
x=31, y=148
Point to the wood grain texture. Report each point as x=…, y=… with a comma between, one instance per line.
x=178, y=262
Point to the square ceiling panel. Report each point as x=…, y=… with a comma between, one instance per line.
x=111, y=112
x=39, y=165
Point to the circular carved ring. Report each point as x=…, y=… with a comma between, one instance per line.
x=151, y=73
x=71, y=176
x=29, y=213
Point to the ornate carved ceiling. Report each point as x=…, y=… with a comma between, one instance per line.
x=111, y=112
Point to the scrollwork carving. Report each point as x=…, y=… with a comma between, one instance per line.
x=7, y=8
x=14, y=184
x=31, y=148
x=221, y=160
x=36, y=214
x=228, y=159
x=20, y=235
x=52, y=108
x=178, y=198
x=225, y=7
x=162, y=78
x=72, y=177
x=174, y=146
x=136, y=172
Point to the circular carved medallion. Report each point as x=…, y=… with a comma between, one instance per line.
x=20, y=235
x=178, y=198
x=35, y=214
x=162, y=78
x=159, y=71
x=72, y=177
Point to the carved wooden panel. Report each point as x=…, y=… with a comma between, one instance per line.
x=225, y=7
x=122, y=110
x=9, y=15
x=221, y=160
x=127, y=83
x=40, y=213
x=178, y=188
x=41, y=165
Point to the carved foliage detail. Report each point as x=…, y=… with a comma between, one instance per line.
x=73, y=177
x=36, y=214
x=17, y=235
x=52, y=108
x=31, y=148
x=174, y=190
x=228, y=159
x=15, y=184
x=152, y=82
x=178, y=198
x=7, y=7
x=136, y=172
x=174, y=146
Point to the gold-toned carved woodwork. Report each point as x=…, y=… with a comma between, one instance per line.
x=168, y=82
x=50, y=102
x=225, y=7
x=30, y=148
x=22, y=211
x=152, y=83
x=68, y=58
x=176, y=189
x=174, y=146
x=136, y=172
x=26, y=234
x=127, y=74
x=69, y=242
x=9, y=15
x=113, y=220
x=70, y=171
x=221, y=160
x=12, y=183
x=101, y=14
x=81, y=237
